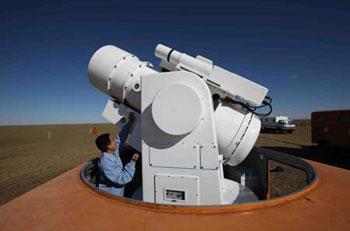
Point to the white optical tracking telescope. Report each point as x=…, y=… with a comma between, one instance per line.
x=191, y=119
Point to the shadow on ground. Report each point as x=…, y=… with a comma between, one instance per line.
x=328, y=155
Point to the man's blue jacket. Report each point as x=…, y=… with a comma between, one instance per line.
x=111, y=166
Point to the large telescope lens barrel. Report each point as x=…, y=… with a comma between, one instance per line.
x=117, y=73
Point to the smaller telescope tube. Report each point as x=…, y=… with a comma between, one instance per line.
x=226, y=82
x=166, y=53
x=162, y=51
x=185, y=61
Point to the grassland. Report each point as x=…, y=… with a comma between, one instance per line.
x=32, y=155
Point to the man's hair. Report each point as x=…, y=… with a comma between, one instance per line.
x=102, y=142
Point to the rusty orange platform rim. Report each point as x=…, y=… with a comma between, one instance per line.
x=213, y=209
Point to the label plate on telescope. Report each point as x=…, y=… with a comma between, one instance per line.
x=176, y=189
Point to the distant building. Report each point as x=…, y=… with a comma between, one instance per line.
x=331, y=128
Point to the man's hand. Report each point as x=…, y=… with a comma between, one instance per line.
x=132, y=117
x=135, y=157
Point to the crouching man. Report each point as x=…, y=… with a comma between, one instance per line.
x=113, y=175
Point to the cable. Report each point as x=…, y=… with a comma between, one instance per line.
x=266, y=103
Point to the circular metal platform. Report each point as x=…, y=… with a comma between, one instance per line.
x=259, y=157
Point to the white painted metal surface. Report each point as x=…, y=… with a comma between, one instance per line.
x=117, y=73
x=183, y=141
x=117, y=114
x=227, y=82
x=231, y=191
x=177, y=109
x=237, y=132
x=177, y=189
x=180, y=154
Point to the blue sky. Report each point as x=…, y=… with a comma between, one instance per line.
x=300, y=50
